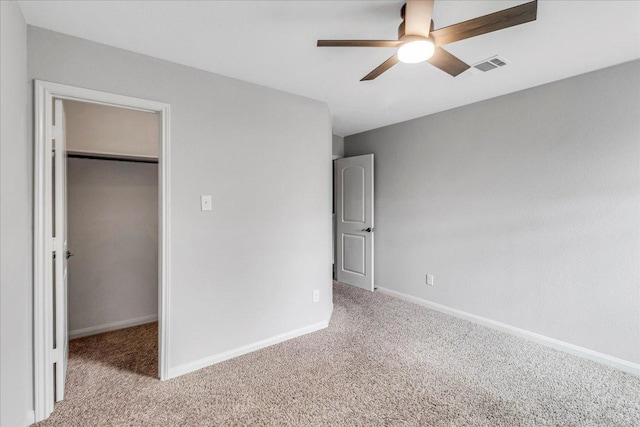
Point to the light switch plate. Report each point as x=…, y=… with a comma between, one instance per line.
x=205, y=203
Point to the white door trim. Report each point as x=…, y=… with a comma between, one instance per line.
x=44, y=93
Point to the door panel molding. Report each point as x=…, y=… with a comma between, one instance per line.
x=349, y=206
x=44, y=94
x=361, y=268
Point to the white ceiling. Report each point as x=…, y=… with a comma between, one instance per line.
x=272, y=43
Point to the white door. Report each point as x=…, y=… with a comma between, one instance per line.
x=354, y=220
x=60, y=251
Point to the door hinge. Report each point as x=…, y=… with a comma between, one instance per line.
x=56, y=355
x=56, y=132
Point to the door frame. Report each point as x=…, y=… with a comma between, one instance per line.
x=44, y=93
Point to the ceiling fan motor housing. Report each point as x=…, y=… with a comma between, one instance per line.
x=402, y=34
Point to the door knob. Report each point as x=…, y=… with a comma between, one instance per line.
x=368, y=229
x=69, y=254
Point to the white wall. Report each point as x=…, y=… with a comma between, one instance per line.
x=244, y=272
x=103, y=129
x=113, y=234
x=524, y=207
x=15, y=222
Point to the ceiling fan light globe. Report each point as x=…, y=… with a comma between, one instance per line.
x=416, y=51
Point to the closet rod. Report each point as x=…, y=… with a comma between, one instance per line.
x=117, y=159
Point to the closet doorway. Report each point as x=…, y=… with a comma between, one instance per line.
x=112, y=219
x=101, y=235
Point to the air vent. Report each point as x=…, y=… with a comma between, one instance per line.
x=488, y=65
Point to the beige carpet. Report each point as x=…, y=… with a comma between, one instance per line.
x=382, y=361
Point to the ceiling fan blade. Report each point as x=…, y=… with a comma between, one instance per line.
x=417, y=17
x=485, y=24
x=381, y=68
x=359, y=43
x=447, y=62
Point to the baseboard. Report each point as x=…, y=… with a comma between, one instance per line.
x=31, y=418
x=79, y=333
x=605, y=359
x=221, y=357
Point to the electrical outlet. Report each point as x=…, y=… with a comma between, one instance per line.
x=430, y=279
x=316, y=295
x=205, y=202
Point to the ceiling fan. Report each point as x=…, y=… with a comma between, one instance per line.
x=419, y=42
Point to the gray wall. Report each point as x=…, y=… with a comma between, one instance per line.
x=113, y=233
x=15, y=222
x=524, y=207
x=338, y=145
x=245, y=271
